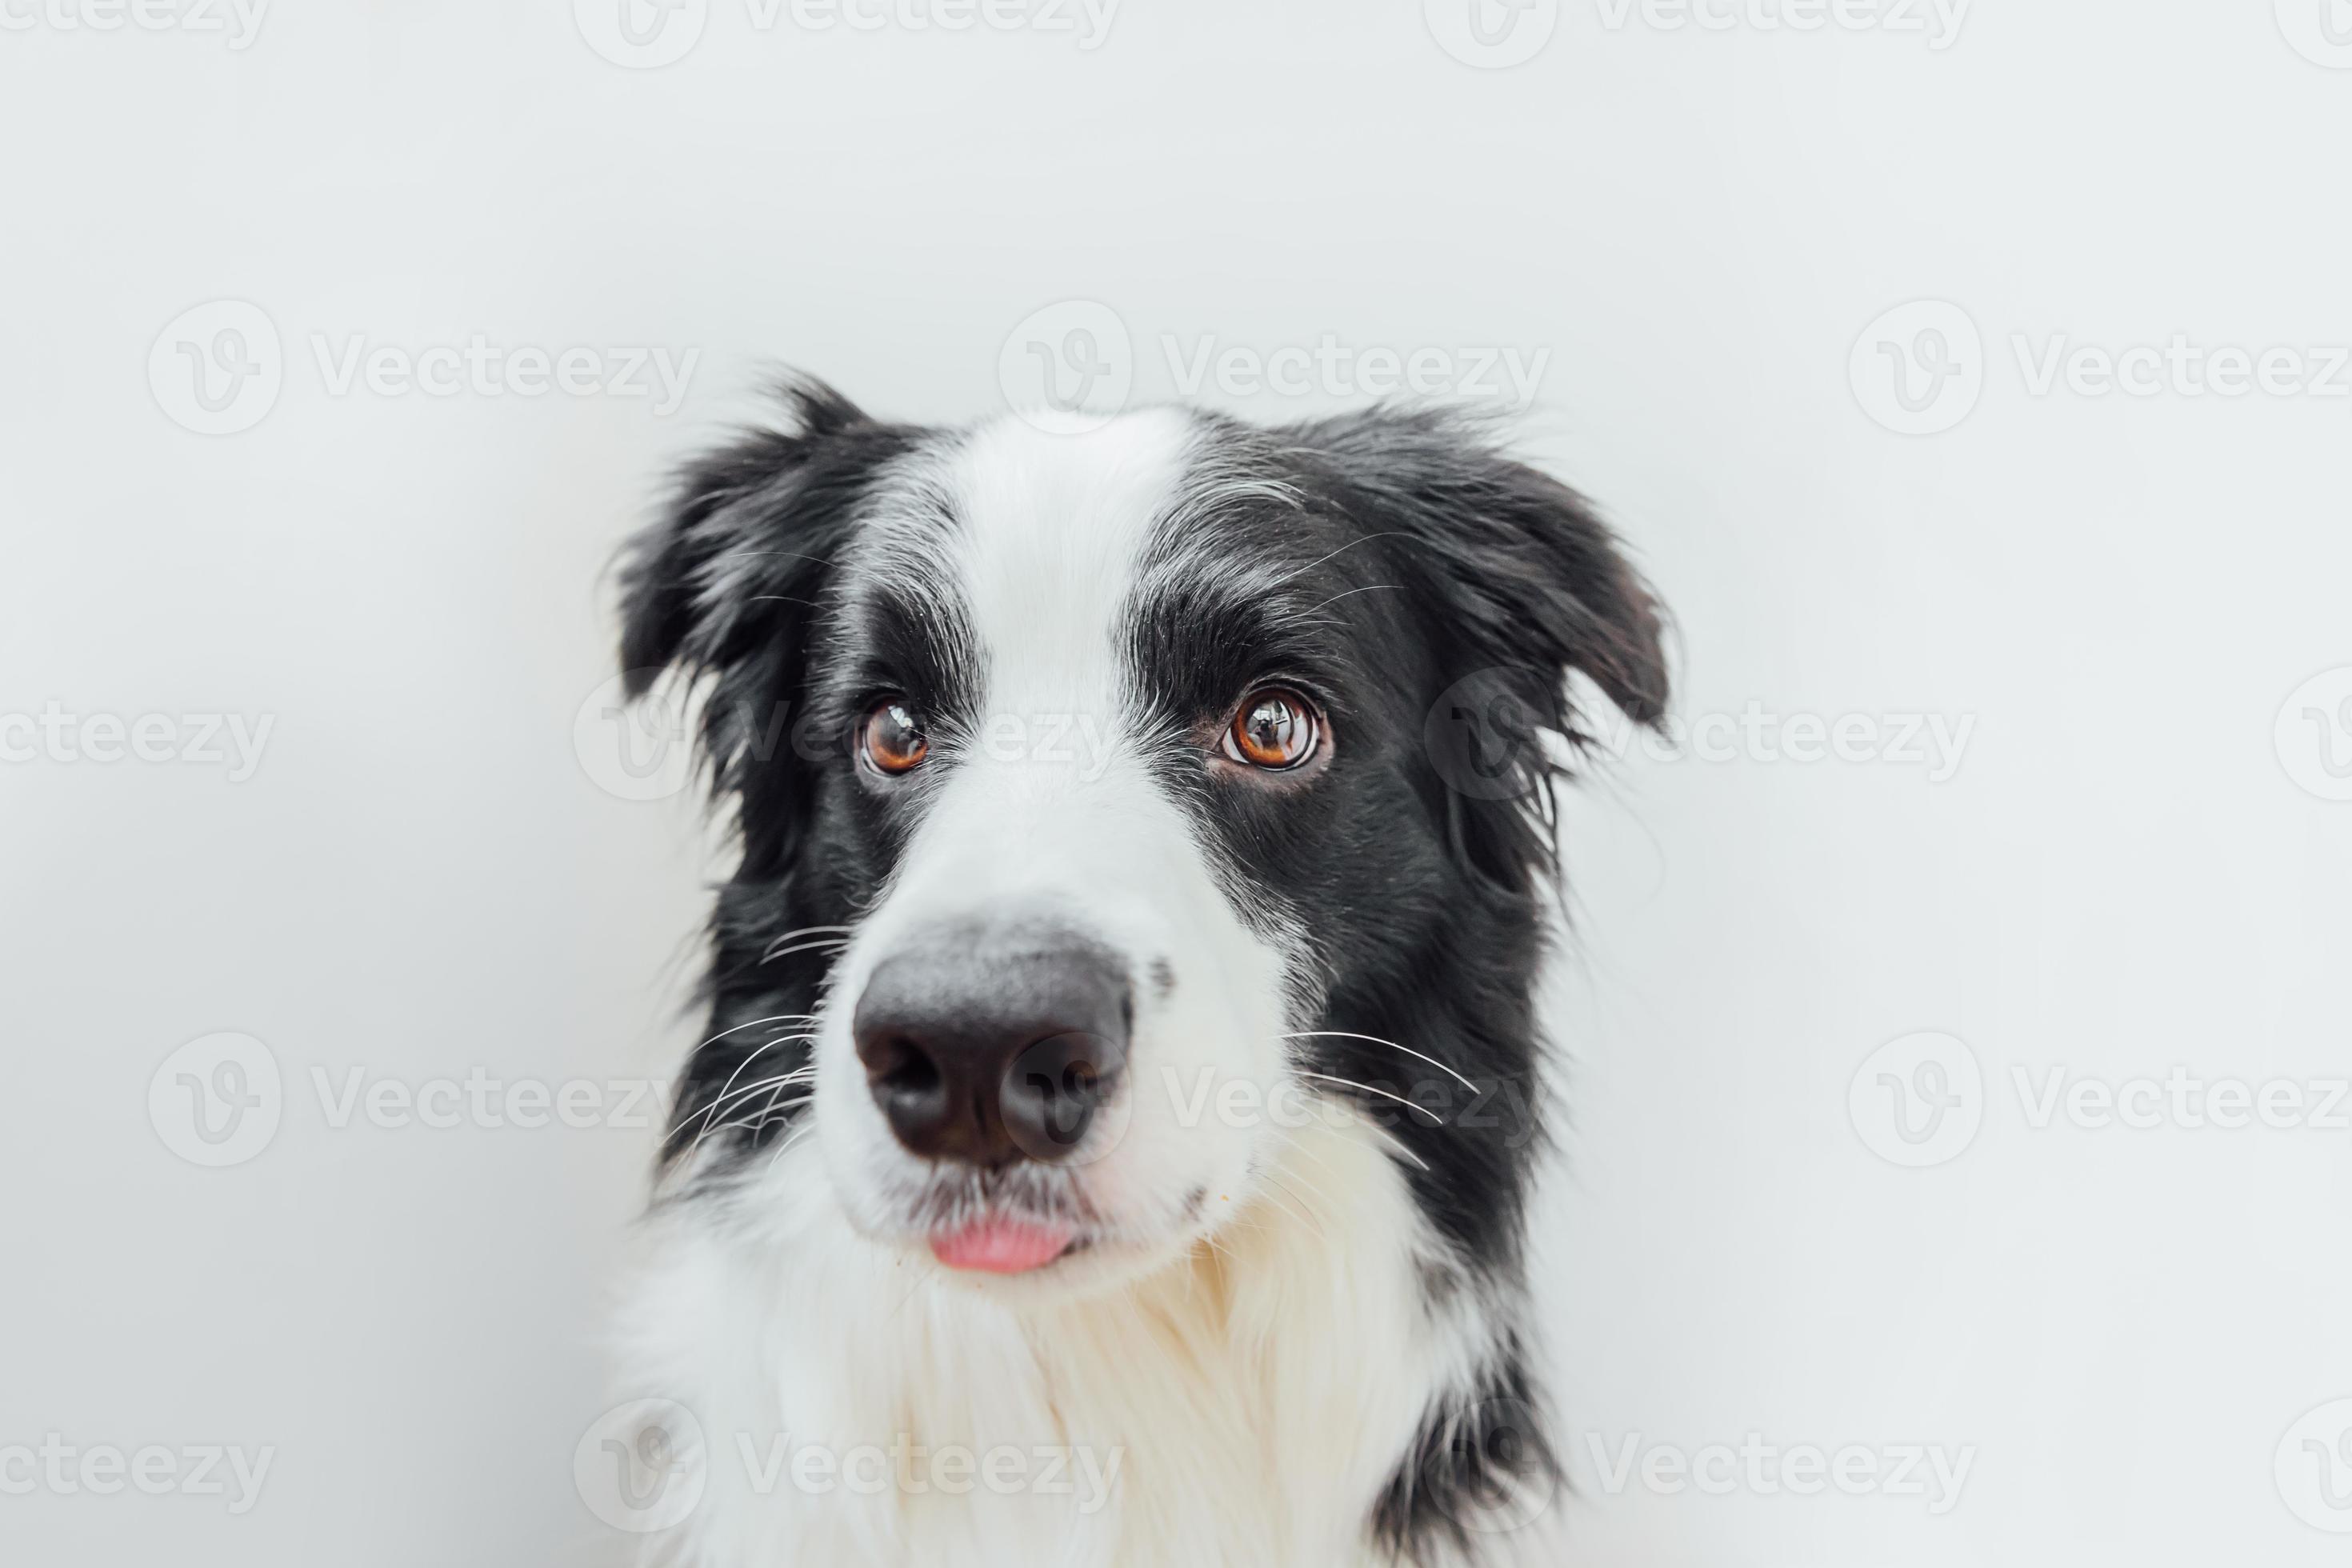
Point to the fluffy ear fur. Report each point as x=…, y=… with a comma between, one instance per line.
x=1522, y=583
x=679, y=582
x=728, y=584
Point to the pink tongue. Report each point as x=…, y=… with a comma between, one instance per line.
x=1001, y=1246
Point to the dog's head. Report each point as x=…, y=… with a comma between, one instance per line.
x=1099, y=792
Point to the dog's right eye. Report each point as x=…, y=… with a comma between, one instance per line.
x=1276, y=729
x=891, y=739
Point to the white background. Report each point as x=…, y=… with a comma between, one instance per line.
x=422, y=878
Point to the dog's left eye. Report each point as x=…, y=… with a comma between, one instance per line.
x=1276, y=729
x=891, y=738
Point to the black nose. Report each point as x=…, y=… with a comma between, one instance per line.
x=990, y=1047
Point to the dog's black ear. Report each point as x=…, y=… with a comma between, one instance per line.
x=753, y=517
x=729, y=582
x=1523, y=574
x=1518, y=582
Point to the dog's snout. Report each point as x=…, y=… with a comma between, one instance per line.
x=990, y=1050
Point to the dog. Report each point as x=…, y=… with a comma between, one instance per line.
x=1113, y=1138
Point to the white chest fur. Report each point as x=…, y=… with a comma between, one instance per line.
x=857, y=1408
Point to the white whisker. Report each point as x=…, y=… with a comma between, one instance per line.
x=1360, y=539
x=712, y=1108
x=766, y=1111
x=790, y=1139
x=825, y=934
x=1349, y=1035
x=1365, y=589
x=779, y=1018
x=810, y=946
x=1384, y=1094
x=782, y=1080
x=1401, y=1149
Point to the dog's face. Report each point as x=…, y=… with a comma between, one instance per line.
x=1097, y=806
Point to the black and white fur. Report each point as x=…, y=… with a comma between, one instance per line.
x=1306, y=1343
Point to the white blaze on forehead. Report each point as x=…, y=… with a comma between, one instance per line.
x=1051, y=814
x=1046, y=805
x=1050, y=535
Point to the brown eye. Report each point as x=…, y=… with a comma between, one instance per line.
x=1276, y=728
x=891, y=739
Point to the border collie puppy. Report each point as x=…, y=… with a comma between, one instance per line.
x=1112, y=1141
